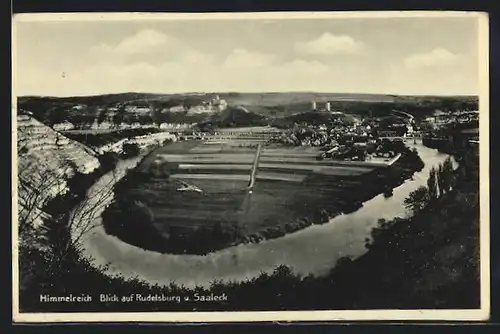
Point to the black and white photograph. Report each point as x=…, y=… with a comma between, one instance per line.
x=285, y=166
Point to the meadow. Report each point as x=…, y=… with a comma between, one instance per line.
x=291, y=188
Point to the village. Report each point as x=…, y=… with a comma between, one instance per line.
x=353, y=138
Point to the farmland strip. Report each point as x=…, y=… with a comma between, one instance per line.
x=280, y=177
x=212, y=176
x=311, y=167
x=215, y=166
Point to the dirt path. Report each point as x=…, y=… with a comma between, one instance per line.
x=254, y=167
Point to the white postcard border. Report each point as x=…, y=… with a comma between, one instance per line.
x=302, y=316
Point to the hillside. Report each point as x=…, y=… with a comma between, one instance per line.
x=46, y=160
x=312, y=118
x=264, y=99
x=268, y=99
x=120, y=110
x=279, y=98
x=234, y=117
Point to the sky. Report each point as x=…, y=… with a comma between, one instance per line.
x=410, y=56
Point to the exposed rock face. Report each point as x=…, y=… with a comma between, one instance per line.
x=151, y=139
x=141, y=141
x=46, y=160
x=64, y=126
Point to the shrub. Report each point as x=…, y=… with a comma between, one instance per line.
x=108, y=160
x=131, y=150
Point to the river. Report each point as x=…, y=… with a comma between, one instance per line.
x=313, y=250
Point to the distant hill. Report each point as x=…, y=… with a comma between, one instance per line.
x=97, y=100
x=234, y=98
x=273, y=99
x=235, y=116
x=311, y=118
x=262, y=107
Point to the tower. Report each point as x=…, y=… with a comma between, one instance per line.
x=327, y=106
x=313, y=105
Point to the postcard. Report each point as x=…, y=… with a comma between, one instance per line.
x=250, y=167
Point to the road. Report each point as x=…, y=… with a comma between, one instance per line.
x=254, y=167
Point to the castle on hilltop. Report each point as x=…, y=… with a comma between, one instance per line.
x=216, y=104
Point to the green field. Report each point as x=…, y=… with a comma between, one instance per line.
x=290, y=184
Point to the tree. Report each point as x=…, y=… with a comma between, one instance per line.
x=156, y=114
x=141, y=212
x=167, y=141
x=462, y=174
x=320, y=216
x=432, y=184
x=83, y=217
x=440, y=179
x=57, y=115
x=108, y=160
x=159, y=170
x=417, y=200
x=64, y=214
x=131, y=149
x=447, y=175
x=35, y=193
x=102, y=116
x=119, y=117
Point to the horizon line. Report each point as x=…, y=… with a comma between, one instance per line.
x=246, y=92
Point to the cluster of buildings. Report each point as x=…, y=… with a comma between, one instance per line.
x=355, y=148
x=352, y=138
x=213, y=105
x=443, y=119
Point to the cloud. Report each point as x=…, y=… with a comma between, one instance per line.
x=245, y=71
x=328, y=44
x=438, y=57
x=437, y=71
x=167, y=65
x=149, y=46
x=242, y=58
x=145, y=41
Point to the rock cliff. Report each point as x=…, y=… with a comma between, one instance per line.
x=46, y=160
